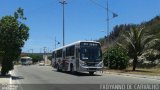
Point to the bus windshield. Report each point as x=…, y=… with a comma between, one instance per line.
x=23, y=60
x=90, y=54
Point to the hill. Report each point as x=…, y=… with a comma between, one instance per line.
x=152, y=26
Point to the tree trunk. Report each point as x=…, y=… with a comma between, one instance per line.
x=3, y=72
x=134, y=63
x=6, y=66
x=3, y=69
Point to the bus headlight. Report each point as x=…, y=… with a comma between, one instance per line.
x=82, y=63
x=100, y=64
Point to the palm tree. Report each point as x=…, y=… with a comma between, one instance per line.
x=136, y=41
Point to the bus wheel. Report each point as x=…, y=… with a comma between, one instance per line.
x=58, y=70
x=71, y=69
x=91, y=73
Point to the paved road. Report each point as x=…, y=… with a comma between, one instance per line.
x=35, y=74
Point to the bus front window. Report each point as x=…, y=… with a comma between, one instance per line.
x=90, y=54
x=23, y=60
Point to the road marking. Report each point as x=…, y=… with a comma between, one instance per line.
x=10, y=79
x=17, y=81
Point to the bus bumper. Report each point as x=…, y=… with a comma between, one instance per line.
x=90, y=69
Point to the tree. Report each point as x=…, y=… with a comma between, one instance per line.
x=13, y=35
x=36, y=57
x=136, y=42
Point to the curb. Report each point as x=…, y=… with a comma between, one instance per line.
x=10, y=79
x=6, y=79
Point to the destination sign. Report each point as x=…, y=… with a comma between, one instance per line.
x=90, y=44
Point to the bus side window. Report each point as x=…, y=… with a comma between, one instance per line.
x=59, y=53
x=70, y=51
x=64, y=55
x=53, y=54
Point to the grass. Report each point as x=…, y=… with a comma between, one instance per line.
x=139, y=71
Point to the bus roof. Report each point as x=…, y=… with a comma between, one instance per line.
x=74, y=43
x=26, y=57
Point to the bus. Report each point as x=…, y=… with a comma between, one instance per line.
x=81, y=56
x=26, y=60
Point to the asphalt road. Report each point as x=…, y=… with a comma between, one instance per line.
x=46, y=75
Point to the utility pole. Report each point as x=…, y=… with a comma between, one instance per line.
x=108, y=19
x=44, y=49
x=63, y=2
x=56, y=43
x=108, y=32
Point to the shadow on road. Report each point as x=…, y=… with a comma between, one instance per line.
x=6, y=76
x=79, y=74
x=17, y=77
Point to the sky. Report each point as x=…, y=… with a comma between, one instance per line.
x=84, y=20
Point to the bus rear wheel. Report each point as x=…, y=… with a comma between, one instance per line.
x=91, y=73
x=72, y=69
x=58, y=69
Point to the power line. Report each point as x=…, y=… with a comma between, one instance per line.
x=96, y=3
x=108, y=19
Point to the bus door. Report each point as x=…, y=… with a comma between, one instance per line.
x=77, y=58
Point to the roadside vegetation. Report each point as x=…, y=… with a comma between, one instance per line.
x=36, y=57
x=116, y=58
x=141, y=42
x=13, y=34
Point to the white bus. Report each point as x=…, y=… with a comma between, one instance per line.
x=26, y=60
x=81, y=56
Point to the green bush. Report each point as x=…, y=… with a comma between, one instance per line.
x=117, y=57
x=150, y=56
x=50, y=58
x=36, y=57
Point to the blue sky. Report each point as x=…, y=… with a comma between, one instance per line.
x=83, y=19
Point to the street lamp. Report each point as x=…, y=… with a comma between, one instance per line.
x=108, y=19
x=63, y=2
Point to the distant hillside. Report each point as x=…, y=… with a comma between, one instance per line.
x=152, y=27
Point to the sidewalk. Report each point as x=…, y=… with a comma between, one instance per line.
x=133, y=75
x=5, y=79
